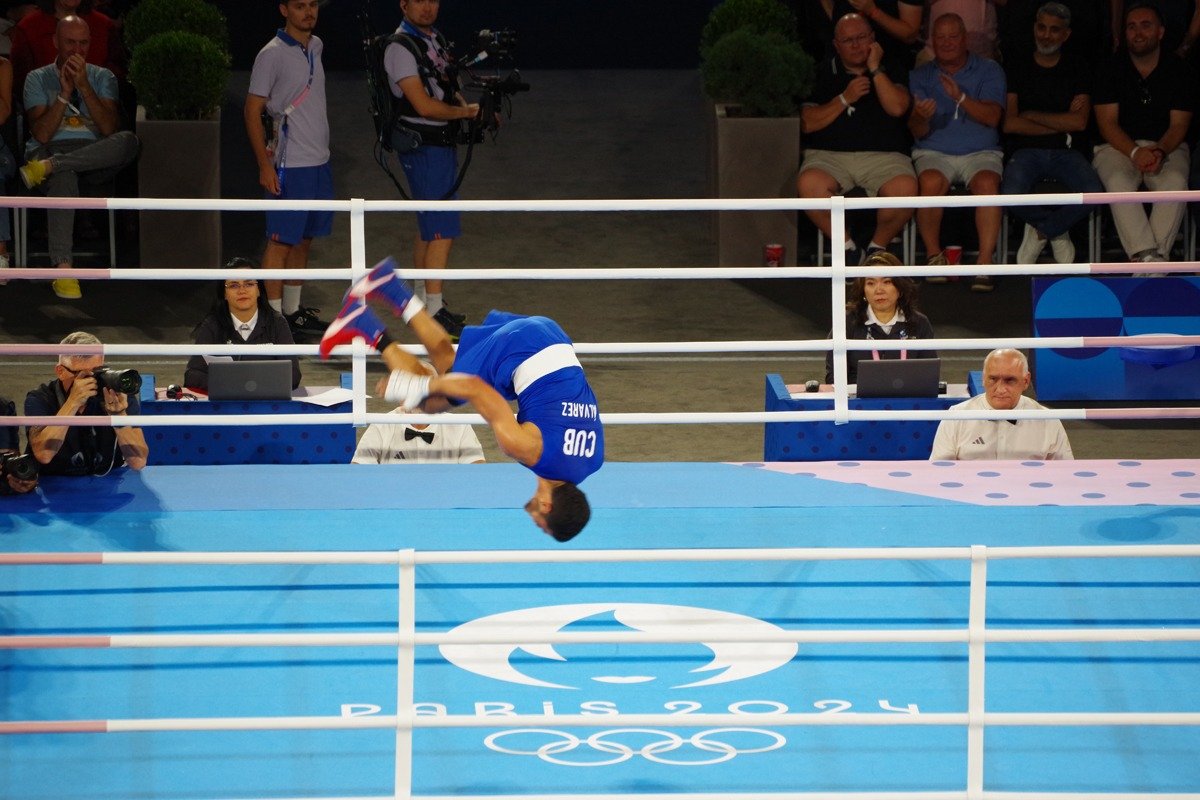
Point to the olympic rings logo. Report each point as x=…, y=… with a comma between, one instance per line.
x=664, y=742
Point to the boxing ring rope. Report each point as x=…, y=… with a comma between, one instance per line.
x=838, y=273
x=406, y=639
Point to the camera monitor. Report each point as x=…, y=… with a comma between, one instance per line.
x=911, y=377
x=250, y=380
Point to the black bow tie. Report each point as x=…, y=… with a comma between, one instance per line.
x=410, y=434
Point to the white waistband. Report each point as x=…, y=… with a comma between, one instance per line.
x=542, y=363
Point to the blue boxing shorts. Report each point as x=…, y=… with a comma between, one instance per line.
x=302, y=183
x=431, y=171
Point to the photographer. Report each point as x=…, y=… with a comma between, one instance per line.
x=430, y=104
x=17, y=474
x=85, y=387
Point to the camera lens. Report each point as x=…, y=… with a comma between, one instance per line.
x=126, y=381
x=22, y=468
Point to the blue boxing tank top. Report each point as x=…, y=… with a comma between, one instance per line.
x=531, y=360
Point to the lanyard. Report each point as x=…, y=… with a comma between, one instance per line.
x=300, y=98
x=903, y=353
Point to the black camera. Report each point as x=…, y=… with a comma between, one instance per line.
x=497, y=44
x=21, y=467
x=491, y=102
x=125, y=381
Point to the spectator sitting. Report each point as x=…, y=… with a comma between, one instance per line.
x=1180, y=19
x=1088, y=41
x=74, y=126
x=33, y=37
x=1005, y=379
x=82, y=449
x=10, y=445
x=882, y=308
x=1143, y=104
x=239, y=314
x=896, y=24
x=855, y=135
x=958, y=102
x=1049, y=102
x=979, y=25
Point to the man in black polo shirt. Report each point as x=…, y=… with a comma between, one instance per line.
x=1049, y=102
x=855, y=134
x=1144, y=102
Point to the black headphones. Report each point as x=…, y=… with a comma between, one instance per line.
x=174, y=392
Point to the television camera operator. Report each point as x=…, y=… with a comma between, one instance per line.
x=84, y=386
x=18, y=473
x=420, y=74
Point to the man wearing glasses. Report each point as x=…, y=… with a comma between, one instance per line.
x=82, y=449
x=854, y=134
x=1144, y=102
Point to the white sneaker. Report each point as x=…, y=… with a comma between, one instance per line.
x=1063, y=249
x=1031, y=246
x=4, y=264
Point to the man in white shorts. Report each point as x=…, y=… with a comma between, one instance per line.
x=854, y=134
x=958, y=103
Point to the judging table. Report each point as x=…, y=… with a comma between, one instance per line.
x=248, y=444
x=901, y=440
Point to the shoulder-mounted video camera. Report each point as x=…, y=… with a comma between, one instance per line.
x=496, y=47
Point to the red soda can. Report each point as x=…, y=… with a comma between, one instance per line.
x=773, y=255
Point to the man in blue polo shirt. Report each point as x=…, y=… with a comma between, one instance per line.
x=288, y=83
x=958, y=102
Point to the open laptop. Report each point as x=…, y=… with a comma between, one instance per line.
x=910, y=377
x=250, y=380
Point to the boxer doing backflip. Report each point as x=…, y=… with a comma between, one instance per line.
x=556, y=431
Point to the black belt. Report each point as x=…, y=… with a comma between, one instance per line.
x=437, y=135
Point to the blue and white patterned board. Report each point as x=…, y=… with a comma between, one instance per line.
x=639, y=506
x=1087, y=306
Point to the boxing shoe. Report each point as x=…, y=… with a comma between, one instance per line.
x=354, y=320
x=383, y=283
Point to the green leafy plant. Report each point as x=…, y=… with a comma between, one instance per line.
x=761, y=16
x=179, y=75
x=150, y=17
x=766, y=74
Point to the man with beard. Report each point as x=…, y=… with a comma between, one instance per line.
x=1049, y=102
x=1144, y=102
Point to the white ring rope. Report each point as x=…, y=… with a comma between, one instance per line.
x=596, y=205
x=838, y=272
x=976, y=718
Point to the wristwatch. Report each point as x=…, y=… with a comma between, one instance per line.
x=873, y=72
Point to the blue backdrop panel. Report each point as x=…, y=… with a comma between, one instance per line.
x=1116, y=307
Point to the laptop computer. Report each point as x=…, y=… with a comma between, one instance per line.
x=910, y=377
x=250, y=380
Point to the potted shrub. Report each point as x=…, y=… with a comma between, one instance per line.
x=756, y=72
x=179, y=66
x=150, y=17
